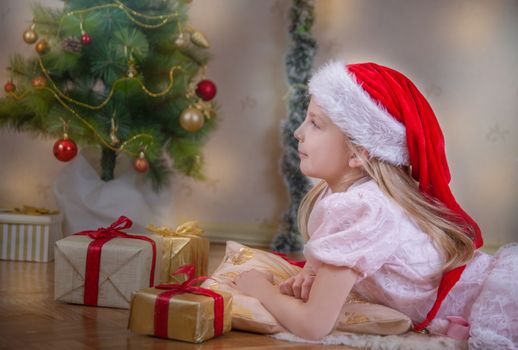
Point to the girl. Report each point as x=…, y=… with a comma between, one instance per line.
x=383, y=221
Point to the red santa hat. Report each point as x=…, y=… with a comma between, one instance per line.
x=382, y=111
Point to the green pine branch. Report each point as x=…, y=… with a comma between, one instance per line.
x=119, y=49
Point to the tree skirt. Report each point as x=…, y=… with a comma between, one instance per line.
x=88, y=202
x=407, y=341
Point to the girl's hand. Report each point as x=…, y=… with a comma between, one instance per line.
x=298, y=286
x=253, y=282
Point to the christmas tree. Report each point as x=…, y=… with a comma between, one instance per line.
x=298, y=67
x=127, y=76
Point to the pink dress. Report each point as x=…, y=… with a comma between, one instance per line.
x=399, y=266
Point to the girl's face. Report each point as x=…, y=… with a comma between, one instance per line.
x=322, y=147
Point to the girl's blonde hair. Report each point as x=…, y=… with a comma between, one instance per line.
x=430, y=215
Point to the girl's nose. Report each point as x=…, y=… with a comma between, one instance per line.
x=298, y=134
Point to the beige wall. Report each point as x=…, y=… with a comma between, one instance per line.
x=462, y=54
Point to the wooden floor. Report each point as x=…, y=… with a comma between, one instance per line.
x=31, y=319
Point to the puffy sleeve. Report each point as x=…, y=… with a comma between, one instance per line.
x=357, y=229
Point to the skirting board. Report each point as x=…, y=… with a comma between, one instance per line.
x=262, y=235
x=253, y=235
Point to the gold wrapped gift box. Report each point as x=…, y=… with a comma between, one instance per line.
x=181, y=315
x=182, y=246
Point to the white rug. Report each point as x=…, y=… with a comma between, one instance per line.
x=407, y=341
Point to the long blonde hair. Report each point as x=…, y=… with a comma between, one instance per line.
x=431, y=216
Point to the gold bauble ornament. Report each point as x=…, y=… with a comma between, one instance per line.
x=199, y=39
x=30, y=36
x=192, y=119
x=41, y=46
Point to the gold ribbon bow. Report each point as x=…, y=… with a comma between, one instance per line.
x=187, y=229
x=28, y=210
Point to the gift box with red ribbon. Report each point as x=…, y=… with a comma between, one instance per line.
x=181, y=311
x=182, y=246
x=103, y=267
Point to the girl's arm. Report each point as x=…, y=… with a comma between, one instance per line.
x=313, y=319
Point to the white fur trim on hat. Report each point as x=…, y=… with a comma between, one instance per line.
x=364, y=120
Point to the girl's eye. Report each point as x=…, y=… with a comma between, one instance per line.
x=314, y=124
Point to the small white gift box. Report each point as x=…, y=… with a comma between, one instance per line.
x=29, y=237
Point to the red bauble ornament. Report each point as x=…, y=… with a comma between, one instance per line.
x=86, y=39
x=65, y=149
x=9, y=86
x=39, y=81
x=141, y=164
x=206, y=90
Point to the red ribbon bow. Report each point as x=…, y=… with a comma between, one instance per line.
x=93, y=255
x=299, y=263
x=162, y=301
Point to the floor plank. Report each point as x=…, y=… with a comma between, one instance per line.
x=31, y=319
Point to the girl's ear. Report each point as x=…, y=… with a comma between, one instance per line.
x=355, y=161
